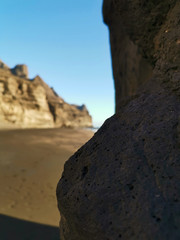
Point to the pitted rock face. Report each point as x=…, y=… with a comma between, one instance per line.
x=140, y=19
x=144, y=42
x=123, y=183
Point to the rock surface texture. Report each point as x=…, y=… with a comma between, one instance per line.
x=124, y=183
x=26, y=103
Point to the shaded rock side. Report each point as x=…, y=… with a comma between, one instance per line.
x=20, y=70
x=144, y=36
x=124, y=183
x=32, y=103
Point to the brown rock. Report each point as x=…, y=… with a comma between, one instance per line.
x=3, y=65
x=124, y=183
x=20, y=70
x=32, y=103
x=22, y=103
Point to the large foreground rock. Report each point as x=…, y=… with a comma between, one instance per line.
x=124, y=183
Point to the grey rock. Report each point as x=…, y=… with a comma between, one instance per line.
x=124, y=183
x=143, y=37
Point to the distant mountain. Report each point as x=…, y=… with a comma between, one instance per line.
x=31, y=103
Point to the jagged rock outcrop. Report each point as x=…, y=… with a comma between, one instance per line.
x=124, y=183
x=3, y=65
x=20, y=70
x=26, y=103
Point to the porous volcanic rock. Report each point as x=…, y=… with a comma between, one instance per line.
x=144, y=36
x=124, y=183
x=26, y=103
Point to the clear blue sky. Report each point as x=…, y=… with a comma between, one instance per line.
x=67, y=44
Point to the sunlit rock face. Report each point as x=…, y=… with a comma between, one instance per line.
x=32, y=103
x=124, y=183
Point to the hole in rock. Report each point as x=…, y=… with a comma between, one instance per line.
x=84, y=172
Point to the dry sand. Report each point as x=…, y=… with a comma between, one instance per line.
x=31, y=163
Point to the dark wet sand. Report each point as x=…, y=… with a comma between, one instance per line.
x=31, y=163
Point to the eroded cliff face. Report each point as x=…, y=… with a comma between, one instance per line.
x=123, y=183
x=32, y=103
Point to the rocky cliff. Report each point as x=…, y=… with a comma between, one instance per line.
x=26, y=103
x=124, y=183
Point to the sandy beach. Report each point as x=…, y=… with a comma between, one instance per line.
x=31, y=163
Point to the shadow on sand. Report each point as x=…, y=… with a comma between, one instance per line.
x=16, y=229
